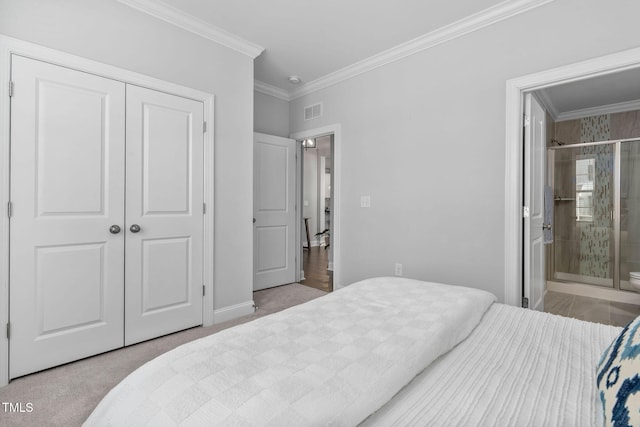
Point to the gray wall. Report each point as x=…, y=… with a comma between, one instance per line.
x=110, y=32
x=424, y=137
x=271, y=115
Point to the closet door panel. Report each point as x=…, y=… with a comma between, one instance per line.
x=166, y=167
x=164, y=244
x=67, y=190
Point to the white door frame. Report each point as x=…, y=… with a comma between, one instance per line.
x=10, y=46
x=516, y=88
x=336, y=130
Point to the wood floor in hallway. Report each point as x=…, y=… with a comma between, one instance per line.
x=315, y=263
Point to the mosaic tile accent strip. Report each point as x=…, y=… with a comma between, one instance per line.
x=595, y=236
x=595, y=128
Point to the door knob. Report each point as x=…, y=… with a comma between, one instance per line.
x=546, y=226
x=134, y=228
x=114, y=229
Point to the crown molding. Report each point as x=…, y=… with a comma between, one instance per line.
x=271, y=90
x=194, y=25
x=489, y=16
x=543, y=97
x=600, y=110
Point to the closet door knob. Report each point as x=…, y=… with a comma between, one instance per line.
x=114, y=229
x=134, y=228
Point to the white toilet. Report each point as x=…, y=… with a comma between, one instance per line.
x=634, y=279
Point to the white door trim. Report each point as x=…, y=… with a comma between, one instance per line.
x=516, y=88
x=9, y=46
x=336, y=130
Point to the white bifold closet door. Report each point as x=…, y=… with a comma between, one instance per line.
x=165, y=201
x=67, y=189
x=91, y=157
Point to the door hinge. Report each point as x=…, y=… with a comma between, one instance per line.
x=527, y=121
x=10, y=89
x=203, y=288
x=525, y=302
x=8, y=330
x=525, y=212
x=204, y=208
x=9, y=209
x=204, y=127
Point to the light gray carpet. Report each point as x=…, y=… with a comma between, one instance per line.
x=66, y=395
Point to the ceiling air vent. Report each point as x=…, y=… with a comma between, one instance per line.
x=313, y=111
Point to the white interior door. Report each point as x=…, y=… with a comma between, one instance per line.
x=274, y=211
x=164, y=214
x=67, y=190
x=534, y=178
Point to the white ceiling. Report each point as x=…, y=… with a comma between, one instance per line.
x=311, y=39
x=319, y=40
x=609, y=93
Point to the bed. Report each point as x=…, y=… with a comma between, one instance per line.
x=380, y=352
x=535, y=369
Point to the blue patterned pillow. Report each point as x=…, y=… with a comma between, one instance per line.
x=619, y=378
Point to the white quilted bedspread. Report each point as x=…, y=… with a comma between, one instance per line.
x=535, y=370
x=331, y=361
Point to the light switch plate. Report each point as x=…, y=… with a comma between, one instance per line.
x=365, y=201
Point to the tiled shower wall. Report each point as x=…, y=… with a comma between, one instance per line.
x=584, y=247
x=596, y=252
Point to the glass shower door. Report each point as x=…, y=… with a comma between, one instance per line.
x=629, y=211
x=583, y=214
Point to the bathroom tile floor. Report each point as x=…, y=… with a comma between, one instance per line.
x=590, y=309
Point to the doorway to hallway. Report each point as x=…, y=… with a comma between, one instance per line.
x=317, y=212
x=333, y=254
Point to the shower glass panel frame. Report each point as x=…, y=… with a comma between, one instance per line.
x=629, y=219
x=589, y=208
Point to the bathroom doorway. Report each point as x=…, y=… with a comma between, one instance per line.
x=593, y=176
x=598, y=86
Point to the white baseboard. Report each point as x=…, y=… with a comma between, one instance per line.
x=314, y=243
x=233, y=311
x=594, y=291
